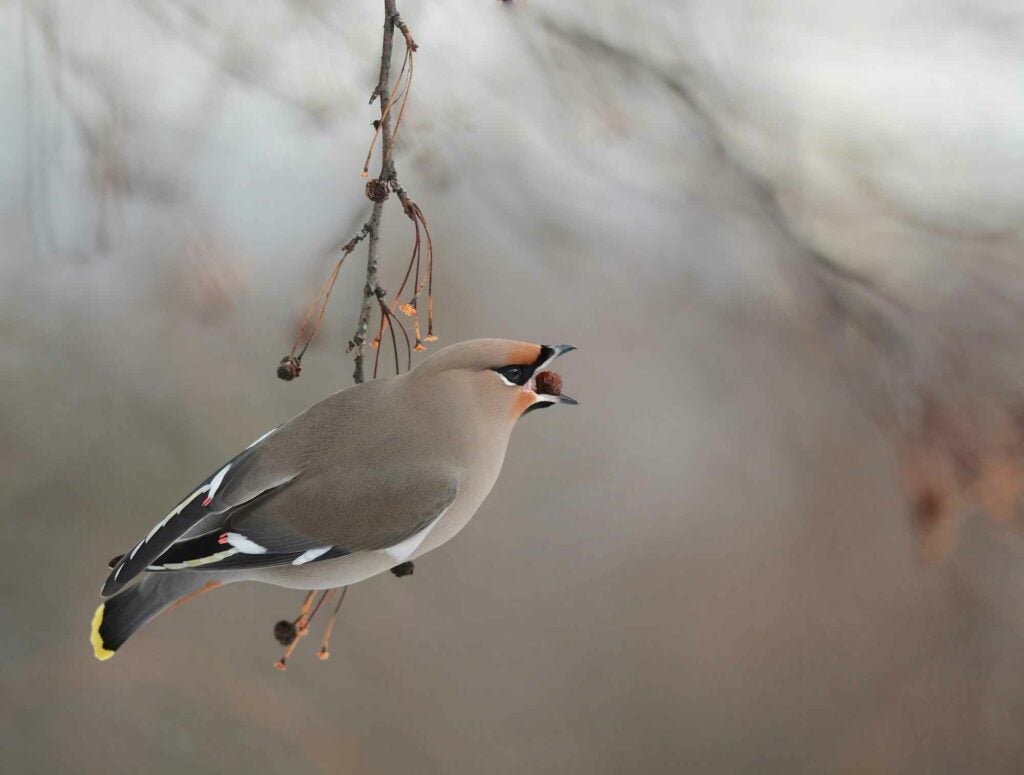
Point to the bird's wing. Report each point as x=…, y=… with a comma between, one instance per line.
x=311, y=520
x=223, y=549
x=243, y=479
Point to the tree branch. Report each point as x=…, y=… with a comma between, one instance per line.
x=387, y=171
x=393, y=99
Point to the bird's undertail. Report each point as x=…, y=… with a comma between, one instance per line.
x=118, y=618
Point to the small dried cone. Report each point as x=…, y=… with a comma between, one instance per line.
x=549, y=382
x=377, y=190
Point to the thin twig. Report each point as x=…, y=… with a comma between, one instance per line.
x=301, y=628
x=401, y=92
x=386, y=173
x=386, y=128
x=324, y=653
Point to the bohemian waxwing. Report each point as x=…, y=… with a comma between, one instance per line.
x=360, y=482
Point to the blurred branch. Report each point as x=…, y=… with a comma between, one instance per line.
x=378, y=191
x=247, y=65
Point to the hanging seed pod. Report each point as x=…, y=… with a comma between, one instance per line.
x=285, y=632
x=289, y=368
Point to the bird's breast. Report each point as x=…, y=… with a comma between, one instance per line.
x=474, y=487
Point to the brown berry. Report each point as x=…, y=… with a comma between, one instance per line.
x=549, y=383
x=285, y=632
x=289, y=368
x=928, y=508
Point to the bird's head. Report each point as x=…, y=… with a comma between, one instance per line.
x=502, y=377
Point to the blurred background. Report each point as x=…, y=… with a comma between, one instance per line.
x=777, y=536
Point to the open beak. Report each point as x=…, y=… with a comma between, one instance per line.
x=557, y=351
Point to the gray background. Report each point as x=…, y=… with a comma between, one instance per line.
x=709, y=565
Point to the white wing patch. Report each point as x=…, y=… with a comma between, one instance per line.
x=310, y=555
x=403, y=550
x=243, y=544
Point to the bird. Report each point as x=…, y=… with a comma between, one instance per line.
x=370, y=477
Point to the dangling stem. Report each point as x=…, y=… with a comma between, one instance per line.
x=324, y=653
x=301, y=628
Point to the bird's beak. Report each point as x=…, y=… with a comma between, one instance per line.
x=557, y=351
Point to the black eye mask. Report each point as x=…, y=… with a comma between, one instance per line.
x=520, y=374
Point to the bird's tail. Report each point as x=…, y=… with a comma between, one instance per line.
x=117, y=618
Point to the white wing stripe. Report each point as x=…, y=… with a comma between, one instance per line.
x=216, y=482
x=177, y=510
x=198, y=561
x=310, y=555
x=244, y=545
x=261, y=438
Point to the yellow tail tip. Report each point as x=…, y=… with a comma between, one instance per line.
x=98, y=650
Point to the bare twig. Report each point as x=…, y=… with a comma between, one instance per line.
x=386, y=173
x=291, y=365
x=378, y=191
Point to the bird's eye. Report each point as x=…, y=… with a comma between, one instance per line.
x=512, y=375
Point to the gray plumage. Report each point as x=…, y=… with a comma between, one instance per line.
x=367, y=478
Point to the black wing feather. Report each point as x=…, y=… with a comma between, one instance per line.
x=202, y=553
x=186, y=515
